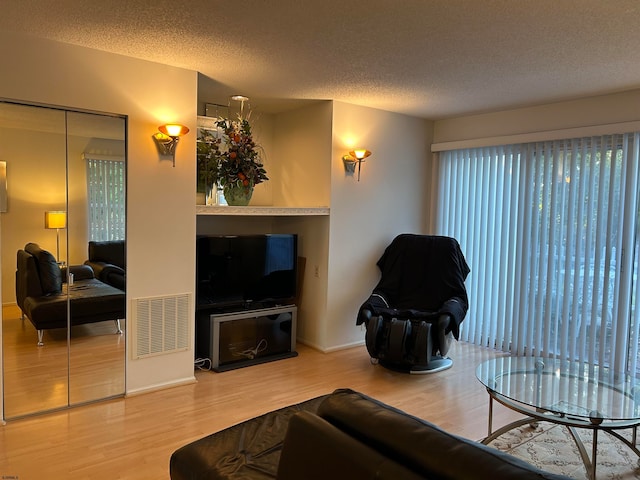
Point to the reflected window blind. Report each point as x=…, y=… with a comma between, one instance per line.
x=550, y=231
x=106, y=198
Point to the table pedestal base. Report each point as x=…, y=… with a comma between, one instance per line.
x=572, y=424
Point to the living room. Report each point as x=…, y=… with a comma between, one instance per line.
x=341, y=247
x=331, y=244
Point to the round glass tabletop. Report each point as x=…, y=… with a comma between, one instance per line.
x=571, y=389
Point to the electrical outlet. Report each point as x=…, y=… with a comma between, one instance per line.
x=316, y=272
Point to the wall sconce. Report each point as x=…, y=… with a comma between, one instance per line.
x=168, y=137
x=56, y=219
x=355, y=156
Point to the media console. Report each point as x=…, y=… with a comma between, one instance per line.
x=247, y=337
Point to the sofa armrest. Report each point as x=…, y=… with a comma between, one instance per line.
x=108, y=273
x=96, y=267
x=314, y=449
x=101, y=269
x=80, y=272
x=110, y=269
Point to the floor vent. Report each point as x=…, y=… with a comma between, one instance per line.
x=161, y=325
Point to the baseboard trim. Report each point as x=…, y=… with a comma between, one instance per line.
x=344, y=346
x=160, y=386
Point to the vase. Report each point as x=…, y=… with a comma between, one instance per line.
x=211, y=194
x=237, y=196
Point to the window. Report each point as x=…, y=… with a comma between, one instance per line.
x=550, y=232
x=105, y=188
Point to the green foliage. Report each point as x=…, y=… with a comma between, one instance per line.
x=240, y=162
x=208, y=159
x=229, y=156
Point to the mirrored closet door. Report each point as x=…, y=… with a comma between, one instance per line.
x=62, y=239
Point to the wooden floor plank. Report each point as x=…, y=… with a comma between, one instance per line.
x=133, y=438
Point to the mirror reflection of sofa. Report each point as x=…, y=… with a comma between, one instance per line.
x=42, y=287
x=107, y=260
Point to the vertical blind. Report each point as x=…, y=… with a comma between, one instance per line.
x=550, y=231
x=105, y=192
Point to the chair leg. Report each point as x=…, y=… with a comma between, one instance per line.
x=40, y=335
x=118, y=329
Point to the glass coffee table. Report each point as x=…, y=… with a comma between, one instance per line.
x=575, y=395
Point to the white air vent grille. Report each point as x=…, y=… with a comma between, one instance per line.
x=161, y=324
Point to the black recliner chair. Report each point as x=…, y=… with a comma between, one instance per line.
x=415, y=311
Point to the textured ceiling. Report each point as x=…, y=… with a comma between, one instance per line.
x=429, y=58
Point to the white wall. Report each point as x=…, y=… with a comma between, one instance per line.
x=302, y=150
x=302, y=154
x=586, y=112
x=160, y=201
x=389, y=199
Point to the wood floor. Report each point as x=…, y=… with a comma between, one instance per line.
x=87, y=366
x=133, y=438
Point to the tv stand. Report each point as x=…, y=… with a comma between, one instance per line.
x=247, y=337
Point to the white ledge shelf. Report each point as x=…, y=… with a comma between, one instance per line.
x=261, y=211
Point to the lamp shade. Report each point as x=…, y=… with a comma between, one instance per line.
x=55, y=219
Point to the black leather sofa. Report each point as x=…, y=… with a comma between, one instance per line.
x=345, y=435
x=42, y=288
x=107, y=259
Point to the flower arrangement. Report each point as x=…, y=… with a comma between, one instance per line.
x=240, y=163
x=227, y=156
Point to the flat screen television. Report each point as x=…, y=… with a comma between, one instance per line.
x=241, y=271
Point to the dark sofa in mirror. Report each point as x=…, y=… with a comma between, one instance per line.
x=42, y=289
x=107, y=260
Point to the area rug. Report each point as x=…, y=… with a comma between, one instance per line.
x=551, y=448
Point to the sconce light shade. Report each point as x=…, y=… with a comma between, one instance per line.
x=55, y=219
x=173, y=129
x=360, y=153
x=168, y=137
x=355, y=156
